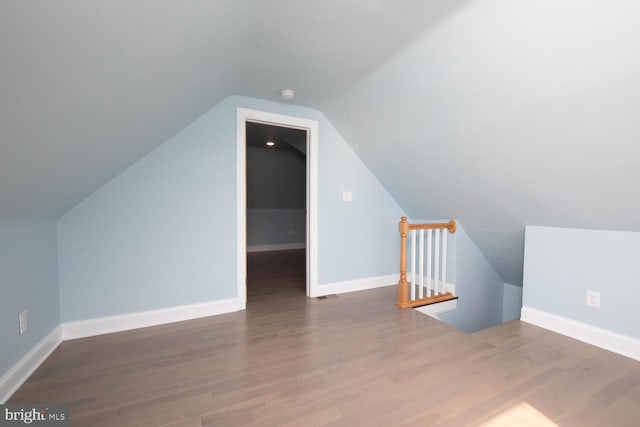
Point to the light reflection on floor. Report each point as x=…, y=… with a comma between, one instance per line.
x=521, y=415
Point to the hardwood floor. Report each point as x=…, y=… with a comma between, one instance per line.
x=276, y=275
x=351, y=360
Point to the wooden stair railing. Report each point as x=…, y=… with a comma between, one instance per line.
x=407, y=295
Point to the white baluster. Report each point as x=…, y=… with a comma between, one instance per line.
x=444, y=260
x=421, y=266
x=429, y=257
x=413, y=265
x=437, y=261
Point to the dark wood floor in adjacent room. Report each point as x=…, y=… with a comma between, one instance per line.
x=351, y=360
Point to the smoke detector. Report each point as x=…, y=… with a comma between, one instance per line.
x=287, y=94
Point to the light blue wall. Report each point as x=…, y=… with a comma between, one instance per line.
x=561, y=264
x=160, y=234
x=163, y=232
x=28, y=281
x=478, y=286
x=358, y=239
x=512, y=302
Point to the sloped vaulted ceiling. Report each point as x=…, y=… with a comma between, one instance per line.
x=88, y=87
x=509, y=113
x=499, y=113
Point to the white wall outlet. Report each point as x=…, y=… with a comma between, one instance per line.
x=593, y=299
x=22, y=320
x=347, y=196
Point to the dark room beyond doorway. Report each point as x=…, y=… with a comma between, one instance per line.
x=276, y=174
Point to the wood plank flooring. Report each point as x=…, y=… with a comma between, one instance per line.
x=351, y=360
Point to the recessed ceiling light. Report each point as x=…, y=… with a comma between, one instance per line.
x=287, y=94
x=270, y=144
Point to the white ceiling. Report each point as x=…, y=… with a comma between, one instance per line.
x=499, y=113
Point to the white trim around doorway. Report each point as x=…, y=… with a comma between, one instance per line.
x=245, y=115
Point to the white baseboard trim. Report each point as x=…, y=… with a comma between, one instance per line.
x=276, y=247
x=356, y=285
x=143, y=319
x=608, y=340
x=20, y=372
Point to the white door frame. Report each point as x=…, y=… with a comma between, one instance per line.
x=245, y=115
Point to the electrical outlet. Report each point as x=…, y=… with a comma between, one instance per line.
x=593, y=299
x=22, y=320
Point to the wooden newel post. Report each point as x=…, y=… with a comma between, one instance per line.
x=403, y=285
x=451, y=226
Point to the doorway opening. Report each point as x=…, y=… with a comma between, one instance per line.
x=277, y=204
x=276, y=172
